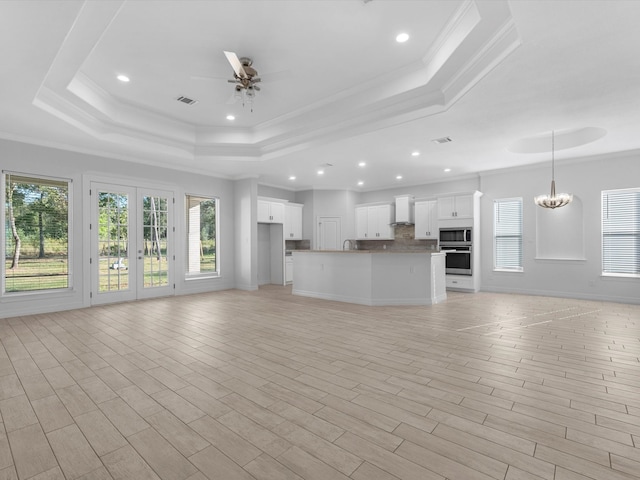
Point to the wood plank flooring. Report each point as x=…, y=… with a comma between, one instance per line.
x=268, y=386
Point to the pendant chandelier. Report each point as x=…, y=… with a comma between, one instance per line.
x=554, y=200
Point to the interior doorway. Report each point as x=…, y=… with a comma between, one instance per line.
x=270, y=254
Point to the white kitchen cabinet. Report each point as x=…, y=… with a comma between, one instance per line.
x=374, y=222
x=292, y=221
x=288, y=269
x=270, y=212
x=460, y=206
x=367, y=278
x=361, y=222
x=460, y=282
x=426, y=219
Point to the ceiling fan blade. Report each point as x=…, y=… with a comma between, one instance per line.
x=235, y=64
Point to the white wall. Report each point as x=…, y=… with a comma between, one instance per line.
x=469, y=184
x=37, y=160
x=332, y=203
x=579, y=277
x=306, y=198
x=274, y=192
x=246, y=234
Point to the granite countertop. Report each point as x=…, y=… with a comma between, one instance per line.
x=371, y=251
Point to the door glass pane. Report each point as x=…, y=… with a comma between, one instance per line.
x=155, y=234
x=113, y=241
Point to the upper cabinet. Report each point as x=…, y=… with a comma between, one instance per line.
x=270, y=212
x=460, y=206
x=292, y=221
x=426, y=219
x=374, y=222
x=362, y=223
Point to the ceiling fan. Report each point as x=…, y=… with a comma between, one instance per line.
x=245, y=77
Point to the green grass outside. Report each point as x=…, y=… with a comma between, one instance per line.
x=37, y=274
x=52, y=272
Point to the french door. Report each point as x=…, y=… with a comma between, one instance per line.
x=131, y=243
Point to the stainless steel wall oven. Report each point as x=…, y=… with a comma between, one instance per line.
x=458, y=245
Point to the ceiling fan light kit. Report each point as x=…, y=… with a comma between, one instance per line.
x=553, y=200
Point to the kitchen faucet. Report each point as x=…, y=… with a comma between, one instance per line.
x=350, y=244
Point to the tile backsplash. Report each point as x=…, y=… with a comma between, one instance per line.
x=297, y=244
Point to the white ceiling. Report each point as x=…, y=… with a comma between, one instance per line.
x=337, y=88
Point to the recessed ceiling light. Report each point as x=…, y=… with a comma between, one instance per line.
x=362, y=164
x=415, y=153
x=230, y=117
x=398, y=177
x=447, y=169
x=292, y=177
x=320, y=172
x=402, y=37
x=123, y=78
x=360, y=183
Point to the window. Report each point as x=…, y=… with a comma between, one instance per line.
x=507, y=234
x=36, y=246
x=202, y=236
x=621, y=232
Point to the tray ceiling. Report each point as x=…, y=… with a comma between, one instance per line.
x=336, y=87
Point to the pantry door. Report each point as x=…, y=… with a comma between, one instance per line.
x=131, y=242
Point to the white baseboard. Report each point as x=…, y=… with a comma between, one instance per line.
x=553, y=293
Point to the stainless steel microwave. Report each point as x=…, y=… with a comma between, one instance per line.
x=455, y=236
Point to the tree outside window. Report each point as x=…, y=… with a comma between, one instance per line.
x=202, y=240
x=36, y=233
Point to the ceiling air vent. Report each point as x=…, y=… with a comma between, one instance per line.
x=187, y=100
x=442, y=140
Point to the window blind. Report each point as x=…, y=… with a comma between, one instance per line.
x=507, y=234
x=621, y=232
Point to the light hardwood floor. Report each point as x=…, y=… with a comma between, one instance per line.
x=264, y=385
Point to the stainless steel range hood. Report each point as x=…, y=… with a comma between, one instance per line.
x=404, y=210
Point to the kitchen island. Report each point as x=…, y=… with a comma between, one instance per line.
x=371, y=277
